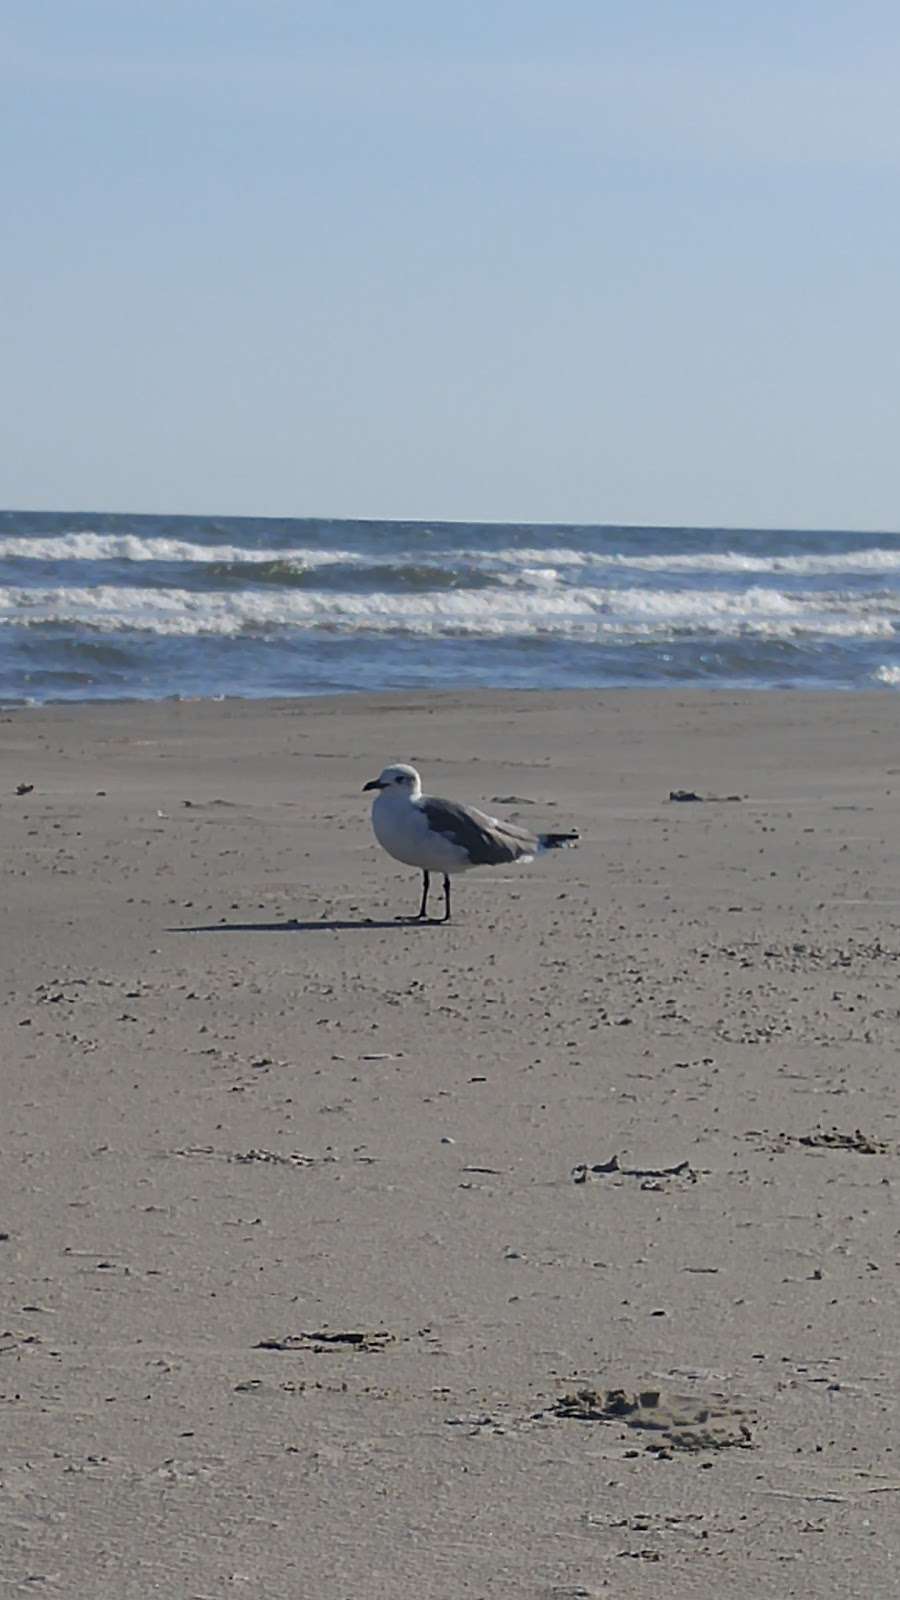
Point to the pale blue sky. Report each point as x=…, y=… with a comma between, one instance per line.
x=583, y=261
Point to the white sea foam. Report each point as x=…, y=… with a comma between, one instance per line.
x=129, y=547
x=575, y=613
x=537, y=564
x=88, y=546
x=810, y=565
x=889, y=675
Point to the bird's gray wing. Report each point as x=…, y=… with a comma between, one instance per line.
x=486, y=842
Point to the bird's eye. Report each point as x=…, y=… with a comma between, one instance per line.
x=398, y=780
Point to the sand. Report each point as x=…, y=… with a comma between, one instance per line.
x=319, y=1275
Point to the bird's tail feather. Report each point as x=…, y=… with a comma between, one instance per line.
x=557, y=841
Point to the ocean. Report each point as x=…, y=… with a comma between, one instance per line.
x=106, y=606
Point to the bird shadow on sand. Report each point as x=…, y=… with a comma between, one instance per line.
x=363, y=925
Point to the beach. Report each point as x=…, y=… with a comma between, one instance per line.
x=314, y=1281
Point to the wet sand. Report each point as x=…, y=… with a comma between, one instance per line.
x=547, y=1254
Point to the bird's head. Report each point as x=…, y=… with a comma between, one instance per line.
x=397, y=779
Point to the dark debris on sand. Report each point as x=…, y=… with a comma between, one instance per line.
x=689, y=1424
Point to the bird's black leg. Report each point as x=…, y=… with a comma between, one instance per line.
x=423, y=909
x=446, y=898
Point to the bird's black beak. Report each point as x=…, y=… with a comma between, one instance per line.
x=376, y=783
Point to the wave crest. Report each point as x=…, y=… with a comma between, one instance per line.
x=130, y=547
x=537, y=562
x=575, y=613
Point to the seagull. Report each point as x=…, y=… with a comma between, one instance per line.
x=443, y=836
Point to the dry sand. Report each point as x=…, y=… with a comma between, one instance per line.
x=302, y=1296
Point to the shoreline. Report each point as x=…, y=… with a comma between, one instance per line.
x=357, y=697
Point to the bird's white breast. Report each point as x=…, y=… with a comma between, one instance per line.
x=401, y=828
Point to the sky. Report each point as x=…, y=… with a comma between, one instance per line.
x=615, y=261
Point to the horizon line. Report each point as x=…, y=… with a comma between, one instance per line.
x=454, y=522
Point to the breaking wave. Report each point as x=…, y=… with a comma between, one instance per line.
x=130, y=547
x=134, y=548
x=575, y=613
